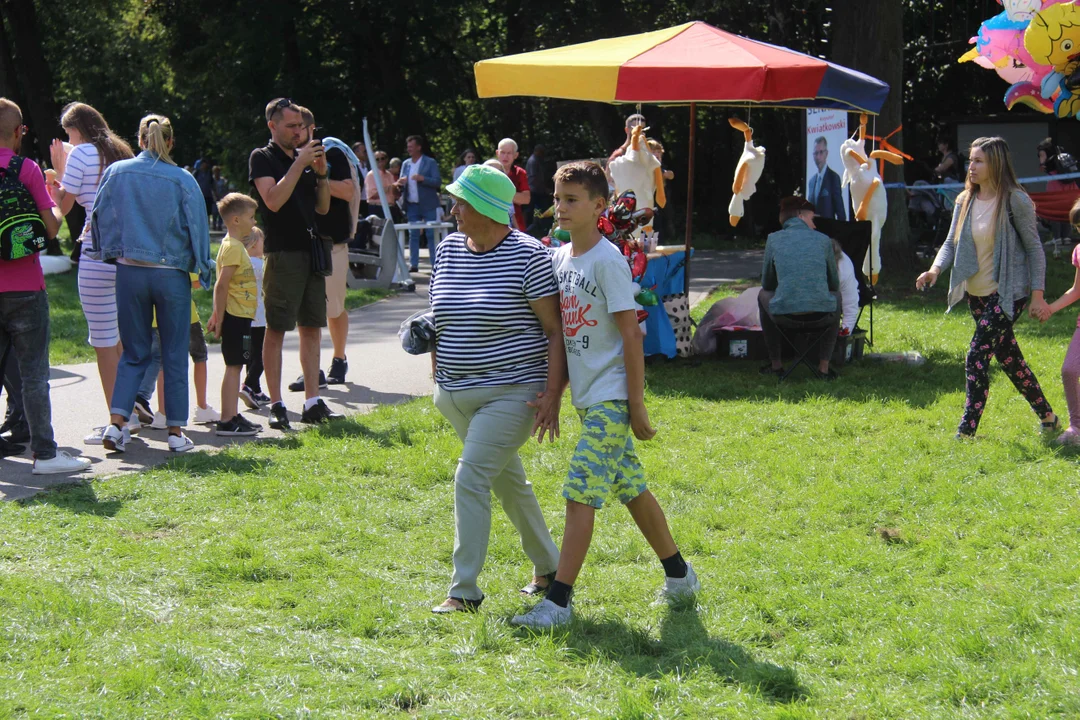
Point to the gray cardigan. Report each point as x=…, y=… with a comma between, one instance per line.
x=1019, y=262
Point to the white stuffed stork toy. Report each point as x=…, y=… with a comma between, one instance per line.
x=747, y=172
x=639, y=170
x=867, y=194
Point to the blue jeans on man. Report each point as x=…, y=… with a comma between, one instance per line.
x=139, y=292
x=24, y=327
x=418, y=215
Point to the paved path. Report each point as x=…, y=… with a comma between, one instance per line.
x=379, y=373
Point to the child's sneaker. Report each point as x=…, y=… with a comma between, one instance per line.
x=206, y=415
x=114, y=439
x=180, y=443
x=262, y=398
x=676, y=588
x=544, y=615
x=159, y=421
x=249, y=398
x=1069, y=437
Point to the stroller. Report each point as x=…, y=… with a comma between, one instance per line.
x=929, y=215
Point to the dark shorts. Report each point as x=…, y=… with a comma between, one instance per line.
x=292, y=294
x=197, y=344
x=235, y=340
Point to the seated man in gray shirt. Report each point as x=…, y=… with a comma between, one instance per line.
x=799, y=284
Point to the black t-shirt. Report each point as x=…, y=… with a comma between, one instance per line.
x=288, y=228
x=336, y=224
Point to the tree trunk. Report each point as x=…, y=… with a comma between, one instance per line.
x=41, y=112
x=868, y=36
x=9, y=81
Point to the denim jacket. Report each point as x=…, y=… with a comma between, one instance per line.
x=147, y=209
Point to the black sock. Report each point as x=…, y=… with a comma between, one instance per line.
x=674, y=566
x=559, y=593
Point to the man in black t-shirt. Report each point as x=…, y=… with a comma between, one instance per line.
x=292, y=187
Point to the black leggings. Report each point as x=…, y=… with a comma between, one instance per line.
x=255, y=360
x=994, y=338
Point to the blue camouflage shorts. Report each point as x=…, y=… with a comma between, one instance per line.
x=604, y=462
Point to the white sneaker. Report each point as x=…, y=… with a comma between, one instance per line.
x=545, y=614
x=134, y=424
x=94, y=438
x=159, y=421
x=675, y=588
x=62, y=463
x=115, y=440
x=207, y=415
x=1069, y=437
x=180, y=443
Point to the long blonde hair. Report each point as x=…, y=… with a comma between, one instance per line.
x=999, y=167
x=155, y=134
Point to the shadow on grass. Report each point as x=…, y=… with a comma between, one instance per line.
x=78, y=498
x=684, y=645
x=200, y=464
x=352, y=427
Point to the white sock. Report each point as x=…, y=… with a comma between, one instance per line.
x=310, y=402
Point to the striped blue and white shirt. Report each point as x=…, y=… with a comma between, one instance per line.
x=81, y=178
x=486, y=332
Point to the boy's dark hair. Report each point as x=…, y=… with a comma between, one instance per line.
x=234, y=204
x=587, y=174
x=792, y=205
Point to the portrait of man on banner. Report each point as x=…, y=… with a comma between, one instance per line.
x=825, y=131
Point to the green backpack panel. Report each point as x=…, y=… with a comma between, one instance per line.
x=22, y=231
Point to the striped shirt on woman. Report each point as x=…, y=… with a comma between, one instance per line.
x=486, y=332
x=81, y=178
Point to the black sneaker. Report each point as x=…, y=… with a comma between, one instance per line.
x=19, y=433
x=10, y=448
x=338, y=368
x=142, y=408
x=298, y=386
x=279, y=417
x=250, y=398
x=235, y=427
x=245, y=423
x=318, y=414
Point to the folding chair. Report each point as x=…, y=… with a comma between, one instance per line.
x=803, y=337
x=854, y=239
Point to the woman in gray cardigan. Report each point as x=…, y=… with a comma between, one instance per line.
x=997, y=263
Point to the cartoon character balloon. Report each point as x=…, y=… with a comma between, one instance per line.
x=1053, y=38
x=638, y=171
x=747, y=172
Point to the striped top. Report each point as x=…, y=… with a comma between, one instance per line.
x=486, y=332
x=81, y=178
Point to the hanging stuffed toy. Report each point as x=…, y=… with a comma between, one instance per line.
x=747, y=172
x=619, y=223
x=638, y=171
x=1053, y=38
x=867, y=195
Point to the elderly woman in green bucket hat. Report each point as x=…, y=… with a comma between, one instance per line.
x=498, y=350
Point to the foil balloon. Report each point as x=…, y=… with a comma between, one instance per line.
x=1052, y=38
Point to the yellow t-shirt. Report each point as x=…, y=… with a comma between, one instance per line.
x=983, y=215
x=194, y=310
x=243, y=293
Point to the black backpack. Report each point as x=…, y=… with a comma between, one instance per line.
x=22, y=231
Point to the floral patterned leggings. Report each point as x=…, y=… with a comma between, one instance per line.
x=994, y=337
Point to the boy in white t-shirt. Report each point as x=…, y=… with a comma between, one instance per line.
x=606, y=367
x=251, y=391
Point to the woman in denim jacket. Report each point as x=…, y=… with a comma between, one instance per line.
x=150, y=219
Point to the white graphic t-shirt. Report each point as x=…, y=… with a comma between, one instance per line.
x=591, y=288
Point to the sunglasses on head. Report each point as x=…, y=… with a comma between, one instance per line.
x=283, y=103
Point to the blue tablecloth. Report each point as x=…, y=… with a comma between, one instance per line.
x=666, y=273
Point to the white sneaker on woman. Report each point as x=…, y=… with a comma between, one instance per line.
x=180, y=443
x=206, y=415
x=61, y=463
x=159, y=421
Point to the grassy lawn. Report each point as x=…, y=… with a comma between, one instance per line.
x=856, y=562
x=69, y=330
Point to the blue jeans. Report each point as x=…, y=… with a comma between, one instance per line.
x=149, y=383
x=139, y=292
x=415, y=215
x=24, y=327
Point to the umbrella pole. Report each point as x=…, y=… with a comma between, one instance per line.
x=689, y=200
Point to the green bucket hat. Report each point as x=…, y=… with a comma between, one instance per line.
x=488, y=190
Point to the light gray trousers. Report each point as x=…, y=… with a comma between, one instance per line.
x=493, y=423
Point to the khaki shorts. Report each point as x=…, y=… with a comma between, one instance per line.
x=292, y=294
x=336, y=284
